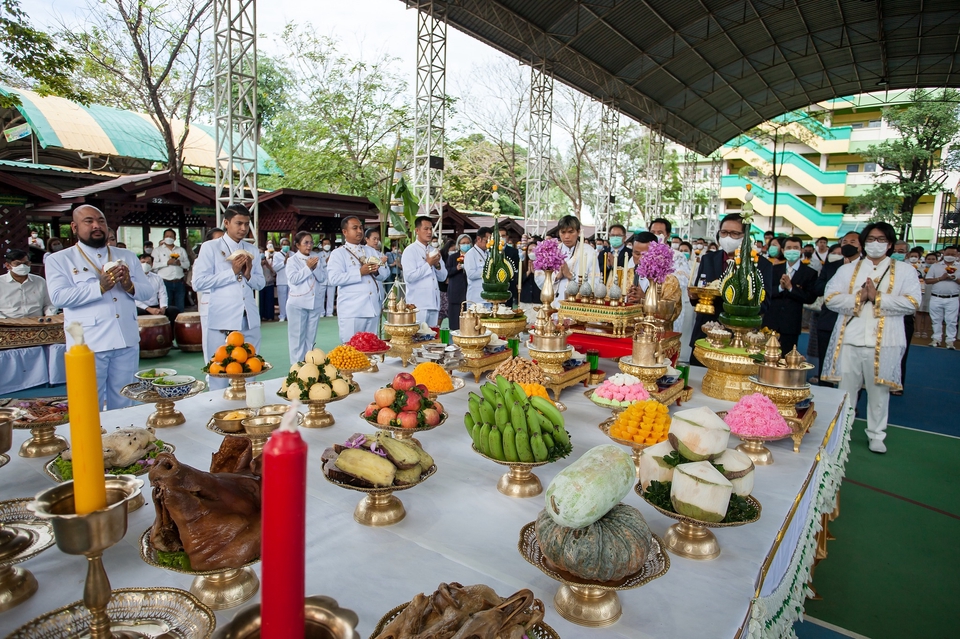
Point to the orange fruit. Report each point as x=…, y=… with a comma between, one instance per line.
x=251, y=349
x=235, y=339
x=234, y=368
x=221, y=354
x=254, y=365
x=216, y=369
x=239, y=354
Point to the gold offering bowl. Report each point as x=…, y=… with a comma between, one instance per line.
x=785, y=398
x=237, y=389
x=520, y=480
x=165, y=415
x=755, y=447
x=22, y=536
x=648, y=373
x=43, y=442
x=505, y=327
x=728, y=373
x=323, y=616
x=398, y=432
x=588, y=603
x=381, y=507
x=705, y=296
x=217, y=589
x=256, y=429
x=471, y=345
x=401, y=340
x=691, y=538
x=550, y=362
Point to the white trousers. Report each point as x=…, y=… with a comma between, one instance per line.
x=350, y=326
x=331, y=295
x=856, y=372
x=115, y=369
x=301, y=331
x=428, y=316
x=944, y=310
x=282, y=291
x=216, y=337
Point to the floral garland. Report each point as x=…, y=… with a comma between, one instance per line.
x=548, y=256
x=656, y=263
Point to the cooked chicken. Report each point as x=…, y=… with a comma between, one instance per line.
x=124, y=446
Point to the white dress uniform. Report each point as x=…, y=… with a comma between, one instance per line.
x=307, y=297
x=229, y=297
x=473, y=263
x=944, y=302
x=360, y=295
x=331, y=291
x=280, y=268
x=109, y=319
x=868, y=340
x=423, y=289
x=572, y=256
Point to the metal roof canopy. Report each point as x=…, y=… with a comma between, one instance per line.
x=706, y=70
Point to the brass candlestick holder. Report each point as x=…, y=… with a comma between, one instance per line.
x=691, y=538
x=588, y=603
x=219, y=589
x=43, y=442
x=165, y=415
x=401, y=340
x=237, y=389
x=380, y=507
x=22, y=536
x=90, y=535
x=519, y=481
x=323, y=617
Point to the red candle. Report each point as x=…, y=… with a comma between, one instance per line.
x=284, y=532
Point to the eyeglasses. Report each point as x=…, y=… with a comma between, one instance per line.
x=734, y=234
x=873, y=238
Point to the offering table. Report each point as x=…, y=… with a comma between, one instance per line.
x=459, y=528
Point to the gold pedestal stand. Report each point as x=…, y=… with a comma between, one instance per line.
x=785, y=398
x=401, y=341
x=550, y=362
x=649, y=374
x=381, y=507
x=474, y=359
x=519, y=481
x=44, y=441
x=237, y=389
x=22, y=536
x=728, y=373
x=507, y=328
x=618, y=319
x=374, y=368
x=591, y=603
x=323, y=619
x=317, y=415
x=165, y=415
x=556, y=383
x=398, y=432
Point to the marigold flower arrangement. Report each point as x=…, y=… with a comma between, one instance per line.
x=756, y=416
x=656, y=264
x=549, y=256
x=433, y=376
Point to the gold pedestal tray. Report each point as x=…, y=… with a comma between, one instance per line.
x=401, y=340
x=691, y=538
x=458, y=383
x=785, y=398
x=22, y=536
x=705, y=296
x=478, y=366
x=166, y=613
x=348, y=373
x=380, y=507
x=550, y=362
x=165, y=415
x=323, y=619
x=257, y=440
x=43, y=442
x=556, y=383
x=591, y=603
x=520, y=480
x=754, y=447
x=728, y=373
x=648, y=373
x=317, y=415
x=537, y=631
x=398, y=432
x=801, y=424
x=504, y=328
x=237, y=389
x=616, y=410
x=373, y=359
x=617, y=321
x=635, y=448
x=217, y=589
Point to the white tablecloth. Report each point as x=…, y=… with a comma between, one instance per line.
x=458, y=527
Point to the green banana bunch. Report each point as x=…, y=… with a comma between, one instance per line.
x=508, y=426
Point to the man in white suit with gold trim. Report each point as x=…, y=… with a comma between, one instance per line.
x=354, y=269
x=423, y=270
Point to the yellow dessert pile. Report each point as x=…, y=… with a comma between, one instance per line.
x=346, y=357
x=535, y=390
x=645, y=422
x=433, y=376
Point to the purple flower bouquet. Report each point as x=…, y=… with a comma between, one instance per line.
x=549, y=257
x=656, y=263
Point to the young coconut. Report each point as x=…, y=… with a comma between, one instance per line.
x=700, y=492
x=652, y=466
x=738, y=468
x=698, y=433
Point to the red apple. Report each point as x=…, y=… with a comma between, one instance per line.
x=371, y=409
x=384, y=397
x=422, y=388
x=413, y=403
x=407, y=419
x=431, y=417
x=404, y=381
x=385, y=416
x=437, y=407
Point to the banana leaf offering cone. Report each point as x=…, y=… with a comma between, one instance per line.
x=497, y=270
x=742, y=284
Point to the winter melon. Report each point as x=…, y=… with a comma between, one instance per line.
x=588, y=488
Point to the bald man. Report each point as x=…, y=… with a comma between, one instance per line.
x=98, y=286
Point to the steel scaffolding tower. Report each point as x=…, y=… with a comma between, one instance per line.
x=688, y=194
x=429, y=109
x=716, y=204
x=537, y=209
x=235, y=104
x=654, y=174
x=609, y=147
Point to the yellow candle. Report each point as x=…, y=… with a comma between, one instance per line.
x=86, y=444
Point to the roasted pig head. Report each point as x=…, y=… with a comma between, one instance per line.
x=213, y=517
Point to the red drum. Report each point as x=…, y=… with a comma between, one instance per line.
x=189, y=332
x=156, y=336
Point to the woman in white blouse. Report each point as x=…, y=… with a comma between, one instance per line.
x=307, y=278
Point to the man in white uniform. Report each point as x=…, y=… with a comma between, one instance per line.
x=203, y=304
x=280, y=268
x=326, y=246
x=944, y=296
x=21, y=293
x=307, y=277
x=423, y=269
x=870, y=297
x=356, y=281
x=96, y=286
x=170, y=262
x=228, y=273
x=158, y=303
x=473, y=263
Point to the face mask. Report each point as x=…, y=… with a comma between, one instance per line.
x=434, y=244
x=913, y=260
x=773, y=251
x=168, y=241
x=698, y=247
x=661, y=238
x=145, y=266
x=270, y=247
x=326, y=247
x=616, y=241
x=532, y=255
x=284, y=249
x=876, y=249
x=729, y=244
x=464, y=248
x=792, y=255
x=148, y=250
x=33, y=235
x=686, y=254
x=675, y=245
x=55, y=248
x=21, y=269
x=897, y=257
x=949, y=259
x=834, y=257
x=808, y=254
x=849, y=250
x=713, y=249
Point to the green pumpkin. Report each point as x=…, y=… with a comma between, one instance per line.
x=614, y=546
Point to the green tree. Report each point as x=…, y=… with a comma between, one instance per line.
x=473, y=165
x=32, y=60
x=914, y=164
